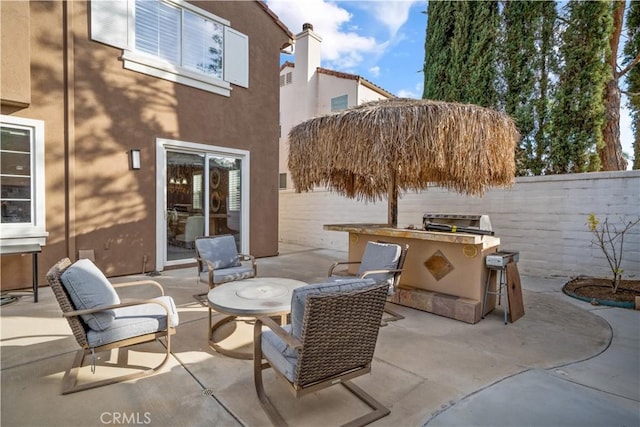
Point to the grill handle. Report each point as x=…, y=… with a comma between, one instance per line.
x=431, y=226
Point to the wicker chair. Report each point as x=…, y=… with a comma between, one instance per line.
x=133, y=322
x=381, y=261
x=331, y=339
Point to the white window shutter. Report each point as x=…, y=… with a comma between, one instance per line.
x=236, y=57
x=110, y=22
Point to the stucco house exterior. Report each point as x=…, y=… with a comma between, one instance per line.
x=129, y=128
x=308, y=90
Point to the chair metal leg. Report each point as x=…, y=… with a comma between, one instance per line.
x=202, y=299
x=70, y=379
x=379, y=410
x=393, y=316
x=271, y=411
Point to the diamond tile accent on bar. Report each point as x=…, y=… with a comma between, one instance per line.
x=438, y=265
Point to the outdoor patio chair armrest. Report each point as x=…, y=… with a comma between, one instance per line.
x=289, y=339
x=209, y=264
x=337, y=263
x=206, y=262
x=139, y=283
x=210, y=270
x=128, y=303
x=246, y=257
x=370, y=272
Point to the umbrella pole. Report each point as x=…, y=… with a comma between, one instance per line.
x=392, y=210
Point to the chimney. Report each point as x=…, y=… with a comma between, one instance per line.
x=307, y=53
x=305, y=77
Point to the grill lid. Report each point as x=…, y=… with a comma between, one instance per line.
x=452, y=223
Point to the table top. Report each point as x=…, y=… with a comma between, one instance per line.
x=258, y=296
x=417, y=234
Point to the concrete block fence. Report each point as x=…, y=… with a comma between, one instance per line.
x=543, y=217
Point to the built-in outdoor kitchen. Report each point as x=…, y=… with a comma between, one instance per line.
x=445, y=271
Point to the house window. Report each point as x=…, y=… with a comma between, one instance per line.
x=22, y=180
x=339, y=103
x=286, y=79
x=157, y=30
x=283, y=181
x=174, y=40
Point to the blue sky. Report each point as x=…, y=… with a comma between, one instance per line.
x=382, y=41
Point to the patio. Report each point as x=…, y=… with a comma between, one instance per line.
x=565, y=362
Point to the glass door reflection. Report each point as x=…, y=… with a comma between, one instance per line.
x=185, y=203
x=224, y=197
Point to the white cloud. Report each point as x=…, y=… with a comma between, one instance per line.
x=392, y=14
x=374, y=71
x=415, y=93
x=342, y=47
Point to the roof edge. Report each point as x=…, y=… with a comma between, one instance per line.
x=278, y=22
x=366, y=83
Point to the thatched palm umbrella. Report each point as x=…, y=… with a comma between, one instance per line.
x=382, y=147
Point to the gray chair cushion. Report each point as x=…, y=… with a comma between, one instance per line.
x=230, y=274
x=221, y=251
x=275, y=350
x=336, y=279
x=88, y=288
x=135, y=320
x=380, y=256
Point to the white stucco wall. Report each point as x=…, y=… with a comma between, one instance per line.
x=293, y=103
x=542, y=217
x=330, y=87
x=366, y=94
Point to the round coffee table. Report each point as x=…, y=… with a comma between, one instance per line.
x=260, y=296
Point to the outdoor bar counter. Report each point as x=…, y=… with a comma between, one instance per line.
x=444, y=273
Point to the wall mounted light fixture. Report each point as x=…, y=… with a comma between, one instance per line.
x=135, y=159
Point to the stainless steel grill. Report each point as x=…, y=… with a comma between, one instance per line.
x=457, y=223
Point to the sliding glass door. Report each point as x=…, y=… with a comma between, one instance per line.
x=203, y=194
x=185, y=208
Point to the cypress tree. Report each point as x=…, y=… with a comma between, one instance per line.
x=460, y=46
x=479, y=79
x=579, y=113
x=437, y=48
x=528, y=58
x=548, y=64
x=460, y=50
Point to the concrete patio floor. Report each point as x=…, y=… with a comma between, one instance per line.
x=564, y=363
